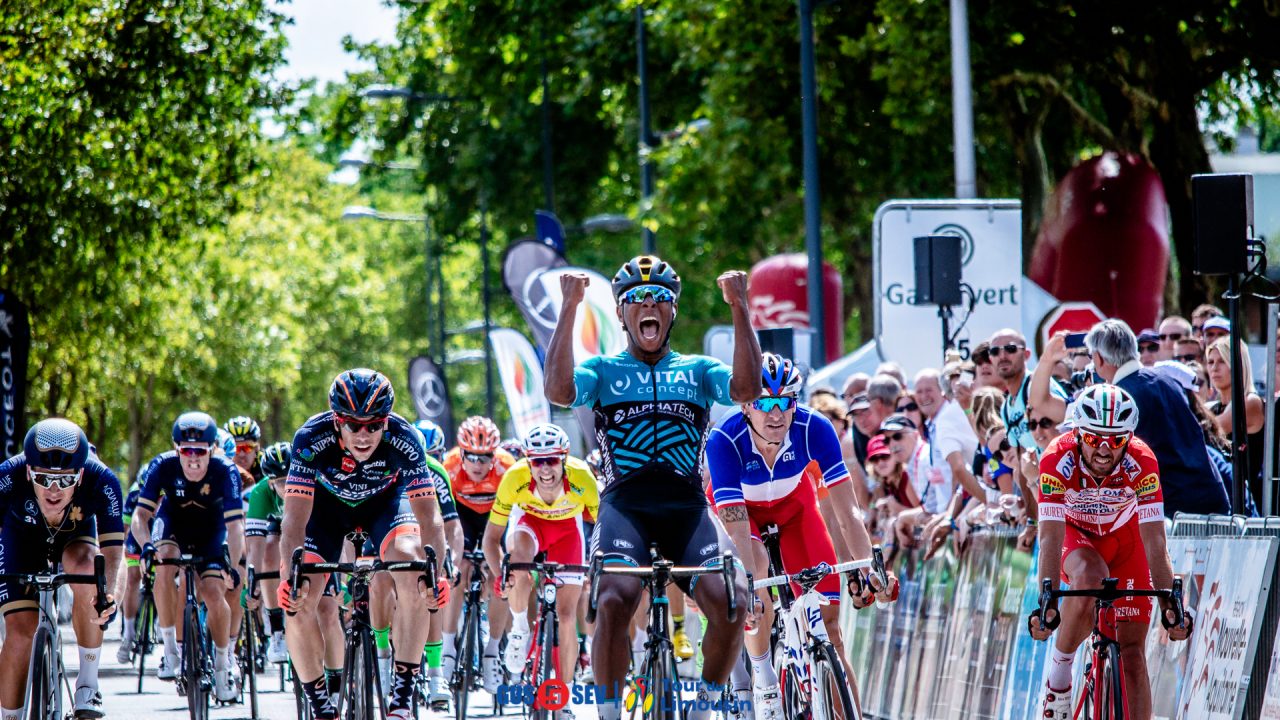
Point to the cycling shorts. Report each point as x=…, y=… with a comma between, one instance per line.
x=132, y=551
x=562, y=541
x=203, y=540
x=803, y=537
x=384, y=517
x=30, y=549
x=473, y=526
x=1126, y=559
x=662, y=509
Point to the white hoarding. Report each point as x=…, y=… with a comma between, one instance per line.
x=991, y=267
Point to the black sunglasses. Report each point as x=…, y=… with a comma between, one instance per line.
x=895, y=437
x=909, y=407
x=1188, y=358
x=1149, y=347
x=1010, y=349
x=1043, y=423
x=1003, y=447
x=1171, y=336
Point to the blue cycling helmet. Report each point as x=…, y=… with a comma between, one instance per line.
x=56, y=444
x=779, y=376
x=432, y=436
x=361, y=394
x=275, y=460
x=226, y=442
x=196, y=427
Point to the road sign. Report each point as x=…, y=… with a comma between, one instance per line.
x=1070, y=317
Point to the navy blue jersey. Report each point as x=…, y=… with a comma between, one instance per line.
x=97, y=496
x=131, y=502
x=214, y=497
x=319, y=458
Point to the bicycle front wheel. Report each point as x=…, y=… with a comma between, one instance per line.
x=144, y=640
x=1112, y=695
x=832, y=698
x=249, y=660
x=465, y=671
x=664, y=685
x=44, y=698
x=193, y=666
x=544, y=661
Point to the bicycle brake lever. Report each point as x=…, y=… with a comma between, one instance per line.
x=100, y=602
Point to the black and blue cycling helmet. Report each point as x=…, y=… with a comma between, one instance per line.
x=779, y=376
x=645, y=270
x=275, y=460
x=432, y=437
x=195, y=427
x=361, y=394
x=56, y=444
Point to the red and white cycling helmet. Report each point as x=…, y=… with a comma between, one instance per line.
x=479, y=435
x=546, y=440
x=1105, y=410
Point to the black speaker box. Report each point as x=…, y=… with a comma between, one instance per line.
x=1222, y=210
x=937, y=270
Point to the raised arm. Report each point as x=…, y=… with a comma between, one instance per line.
x=745, y=385
x=558, y=369
x=1039, y=394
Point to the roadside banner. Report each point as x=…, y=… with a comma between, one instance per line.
x=522, y=263
x=1271, y=700
x=521, y=374
x=15, y=344
x=430, y=393
x=596, y=329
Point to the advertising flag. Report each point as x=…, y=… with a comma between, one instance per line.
x=15, y=344
x=521, y=374
x=430, y=394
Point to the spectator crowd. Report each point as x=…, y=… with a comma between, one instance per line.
x=951, y=449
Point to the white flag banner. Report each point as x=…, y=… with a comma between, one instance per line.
x=521, y=374
x=596, y=329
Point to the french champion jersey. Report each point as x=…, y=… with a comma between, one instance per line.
x=97, y=496
x=1069, y=494
x=319, y=459
x=739, y=474
x=651, y=416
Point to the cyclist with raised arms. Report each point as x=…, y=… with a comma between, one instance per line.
x=543, y=499
x=652, y=406
x=475, y=469
x=1102, y=516
x=263, y=512
x=57, y=504
x=359, y=466
x=761, y=457
x=202, y=510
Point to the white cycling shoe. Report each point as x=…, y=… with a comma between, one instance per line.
x=124, y=653
x=88, y=705
x=767, y=703
x=490, y=675
x=224, y=686
x=438, y=693
x=277, y=650
x=168, y=667
x=1057, y=704
x=517, y=651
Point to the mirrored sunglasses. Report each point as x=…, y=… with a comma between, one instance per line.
x=639, y=294
x=370, y=426
x=477, y=457
x=246, y=447
x=545, y=461
x=769, y=404
x=194, y=450
x=62, y=481
x=1094, y=440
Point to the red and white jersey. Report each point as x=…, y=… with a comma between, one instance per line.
x=1098, y=508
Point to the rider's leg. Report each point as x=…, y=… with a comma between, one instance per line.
x=1086, y=569
x=267, y=589
x=235, y=616
x=1132, y=637
x=304, y=631
x=213, y=593
x=723, y=639
x=15, y=656
x=168, y=602
x=408, y=632
x=757, y=643
x=382, y=605
x=523, y=546
x=567, y=598
x=616, y=602
x=129, y=590
x=328, y=614
x=77, y=559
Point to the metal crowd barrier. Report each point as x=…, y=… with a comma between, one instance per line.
x=955, y=644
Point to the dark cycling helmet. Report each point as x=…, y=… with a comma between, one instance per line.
x=275, y=460
x=56, y=444
x=195, y=427
x=513, y=447
x=478, y=435
x=432, y=437
x=779, y=376
x=645, y=270
x=243, y=427
x=361, y=394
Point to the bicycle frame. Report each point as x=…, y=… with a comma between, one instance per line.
x=547, y=614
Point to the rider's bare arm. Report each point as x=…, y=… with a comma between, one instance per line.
x=558, y=370
x=849, y=517
x=738, y=527
x=427, y=511
x=745, y=385
x=293, y=528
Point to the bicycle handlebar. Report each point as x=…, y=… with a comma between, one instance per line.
x=43, y=581
x=1110, y=592
x=812, y=576
x=426, y=567
x=667, y=571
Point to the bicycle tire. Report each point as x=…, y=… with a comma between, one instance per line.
x=193, y=666
x=1113, y=699
x=466, y=660
x=249, y=664
x=832, y=695
x=543, y=665
x=144, y=642
x=794, y=704
x=659, y=667
x=357, y=691
x=43, y=701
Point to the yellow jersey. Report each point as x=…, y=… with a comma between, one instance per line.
x=581, y=494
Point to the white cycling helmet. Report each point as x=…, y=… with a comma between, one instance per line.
x=1106, y=410
x=545, y=440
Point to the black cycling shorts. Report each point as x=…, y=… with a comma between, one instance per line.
x=28, y=549
x=658, y=509
x=383, y=517
x=473, y=526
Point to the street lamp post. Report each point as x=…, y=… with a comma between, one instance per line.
x=646, y=137
x=812, y=214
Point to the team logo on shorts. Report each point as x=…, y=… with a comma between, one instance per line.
x=1050, y=484
x=1149, y=485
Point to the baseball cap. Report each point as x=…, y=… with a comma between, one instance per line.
x=1148, y=336
x=1217, y=323
x=1184, y=376
x=860, y=402
x=897, y=422
x=877, y=447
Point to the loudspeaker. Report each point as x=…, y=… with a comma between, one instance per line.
x=937, y=270
x=1222, y=211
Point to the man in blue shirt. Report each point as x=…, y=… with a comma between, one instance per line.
x=652, y=407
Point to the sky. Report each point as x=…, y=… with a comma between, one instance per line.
x=315, y=37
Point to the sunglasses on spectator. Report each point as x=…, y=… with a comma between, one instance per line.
x=1003, y=447
x=1171, y=336
x=245, y=447
x=477, y=457
x=62, y=481
x=909, y=407
x=640, y=294
x=1188, y=358
x=769, y=404
x=194, y=450
x=895, y=437
x=545, y=461
x=375, y=425
x=1148, y=347
x=1043, y=423
x=882, y=456
x=1094, y=440
x=1010, y=349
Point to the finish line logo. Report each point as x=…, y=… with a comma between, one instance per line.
x=638, y=693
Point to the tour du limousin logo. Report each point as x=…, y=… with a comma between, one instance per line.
x=638, y=693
